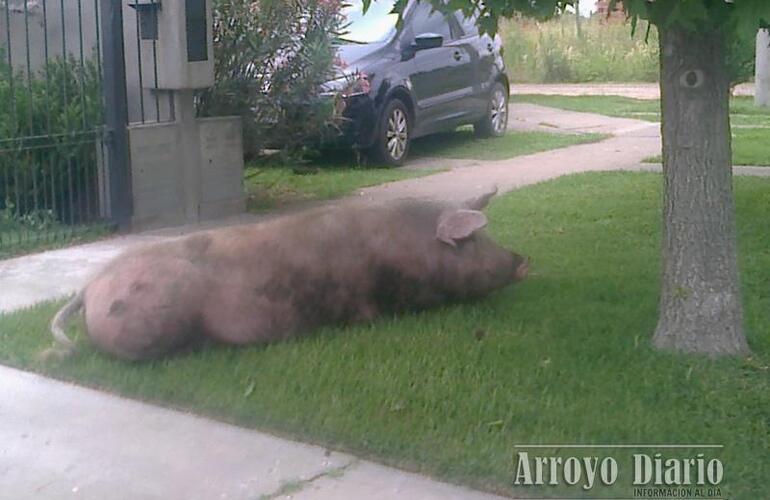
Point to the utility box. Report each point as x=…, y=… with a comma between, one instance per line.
x=176, y=43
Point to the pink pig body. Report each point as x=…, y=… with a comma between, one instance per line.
x=270, y=281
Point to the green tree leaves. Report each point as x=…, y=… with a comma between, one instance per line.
x=740, y=16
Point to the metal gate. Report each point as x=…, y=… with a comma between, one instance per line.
x=63, y=153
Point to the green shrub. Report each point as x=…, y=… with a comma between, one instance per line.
x=271, y=58
x=741, y=58
x=50, y=123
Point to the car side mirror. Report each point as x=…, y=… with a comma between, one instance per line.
x=424, y=41
x=427, y=41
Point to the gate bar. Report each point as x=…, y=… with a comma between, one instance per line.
x=116, y=114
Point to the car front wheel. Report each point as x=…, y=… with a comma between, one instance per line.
x=395, y=134
x=495, y=123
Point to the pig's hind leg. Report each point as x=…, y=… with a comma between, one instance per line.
x=146, y=308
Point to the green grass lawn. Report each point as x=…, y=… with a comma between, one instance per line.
x=750, y=147
x=621, y=107
x=564, y=357
x=463, y=145
x=751, y=124
x=271, y=184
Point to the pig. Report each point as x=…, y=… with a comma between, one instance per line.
x=282, y=278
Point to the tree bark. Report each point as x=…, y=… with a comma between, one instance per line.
x=700, y=304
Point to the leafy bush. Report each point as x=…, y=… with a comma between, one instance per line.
x=50, y=123
x=271, y=58
x=741, y=57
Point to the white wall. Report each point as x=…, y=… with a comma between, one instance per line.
x=762, y=96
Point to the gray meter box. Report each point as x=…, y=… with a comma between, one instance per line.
x=180, y=33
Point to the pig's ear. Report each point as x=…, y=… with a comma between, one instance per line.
x=459, y=225
x=481, y=202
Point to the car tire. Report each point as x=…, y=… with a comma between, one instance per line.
x=394, y=135
x=495, y=123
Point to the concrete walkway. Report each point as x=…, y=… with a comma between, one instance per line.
x=631, y=142
x=62, y=441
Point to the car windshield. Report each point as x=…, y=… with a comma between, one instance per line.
x=377, y=25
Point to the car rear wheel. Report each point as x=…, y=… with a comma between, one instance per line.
x=395, y=133
x=495, y=123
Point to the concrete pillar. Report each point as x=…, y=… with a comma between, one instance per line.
x=183, y=169
x=762, y=95
x=190, y=152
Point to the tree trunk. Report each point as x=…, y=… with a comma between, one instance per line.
x=700, y=305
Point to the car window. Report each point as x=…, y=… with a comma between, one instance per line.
x=377, y=25
x=468, y=24
x=427, y=20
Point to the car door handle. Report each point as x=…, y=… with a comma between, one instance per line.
x=457, y=55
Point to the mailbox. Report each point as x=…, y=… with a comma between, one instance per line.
x=176, y=44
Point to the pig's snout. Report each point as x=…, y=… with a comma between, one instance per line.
x=522, y=268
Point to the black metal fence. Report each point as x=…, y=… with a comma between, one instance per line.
x=53, y=184
x=73, y=75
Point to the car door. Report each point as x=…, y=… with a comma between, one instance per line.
x=482, y=52
x=441, y=77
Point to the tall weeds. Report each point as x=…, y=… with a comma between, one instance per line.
x=605, y=51
x=552, y=51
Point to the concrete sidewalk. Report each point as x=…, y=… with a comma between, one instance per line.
x=60, y=441
x=40, y=277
